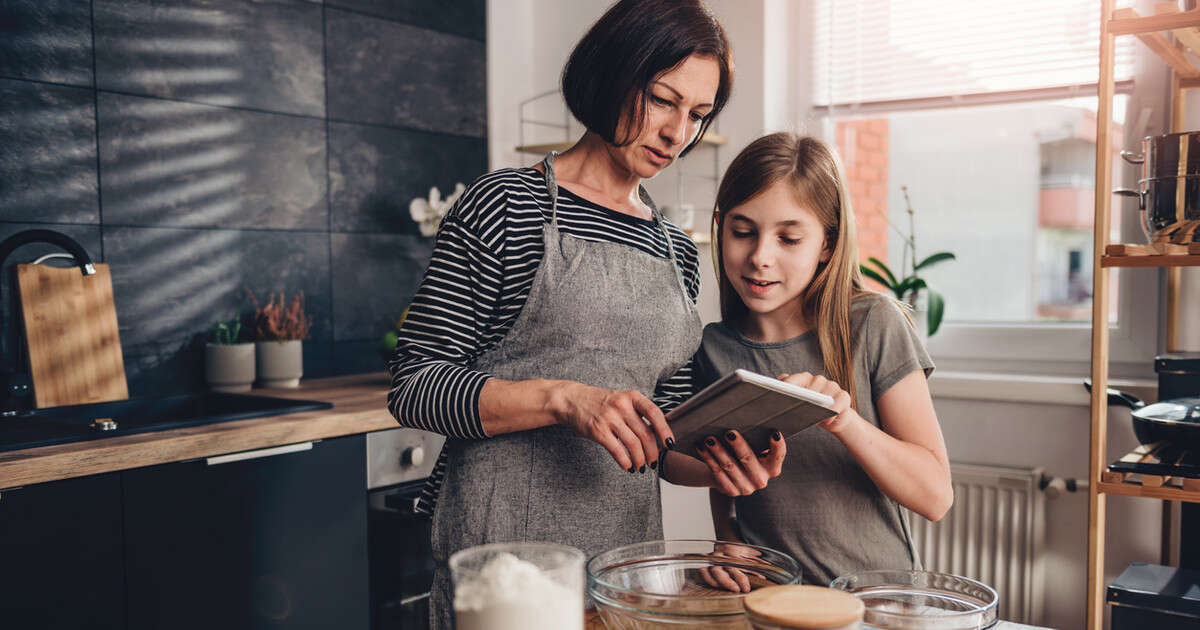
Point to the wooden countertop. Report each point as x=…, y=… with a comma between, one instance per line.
x=359, y=406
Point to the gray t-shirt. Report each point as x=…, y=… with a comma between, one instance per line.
x=823, y=509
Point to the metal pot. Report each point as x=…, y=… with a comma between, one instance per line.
x=1168, y=187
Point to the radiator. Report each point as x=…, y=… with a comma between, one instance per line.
x=993, y=534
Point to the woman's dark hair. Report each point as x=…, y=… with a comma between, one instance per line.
x=611, y=69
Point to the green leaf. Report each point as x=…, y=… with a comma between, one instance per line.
x=908, y=285
x=937, y=308
x=874, y=275
x=934, y=259
x=884, y=268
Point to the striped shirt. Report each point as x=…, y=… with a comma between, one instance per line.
x=488, y=248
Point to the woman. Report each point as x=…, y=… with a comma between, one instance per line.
x=559, y=305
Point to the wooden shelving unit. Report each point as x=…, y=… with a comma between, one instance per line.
x=1152, y=31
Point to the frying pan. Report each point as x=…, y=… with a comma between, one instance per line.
x=1176, y=420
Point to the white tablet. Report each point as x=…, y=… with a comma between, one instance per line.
x=754, y=405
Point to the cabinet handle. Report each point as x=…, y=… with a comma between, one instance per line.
x=262, y=452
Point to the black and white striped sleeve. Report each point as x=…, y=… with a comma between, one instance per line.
x=448, y=326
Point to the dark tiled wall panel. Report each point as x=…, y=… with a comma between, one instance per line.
x=262, y=55
x=230, y=168
x=47, y=153
x=395, y=74
x=163, y=321
x=200, y=162
x=460, y=17
x=377, y=277
x=375, y=172
x=46, y=40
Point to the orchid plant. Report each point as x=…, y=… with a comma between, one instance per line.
x=907, y=285
x=428, y=213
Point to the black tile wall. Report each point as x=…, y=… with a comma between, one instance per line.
x=233, y=168
x=460, y=17
x=47, y=153
x=46, y=40
x=395, y=74
x=199, y=161
x=262, y=55
x=375, y=172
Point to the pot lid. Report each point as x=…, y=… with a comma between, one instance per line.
x=1178, y=411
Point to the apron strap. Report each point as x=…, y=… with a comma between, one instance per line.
x=552, y=186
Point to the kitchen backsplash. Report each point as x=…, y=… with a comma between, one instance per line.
x=199, y=146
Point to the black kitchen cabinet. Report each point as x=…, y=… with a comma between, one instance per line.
x=278, y=541
x=61, y=555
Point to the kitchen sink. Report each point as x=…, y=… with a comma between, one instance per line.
x=75, y=423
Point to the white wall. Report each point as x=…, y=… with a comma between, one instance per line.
x=528, y=40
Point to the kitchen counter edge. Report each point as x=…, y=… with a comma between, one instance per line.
x=359, y=406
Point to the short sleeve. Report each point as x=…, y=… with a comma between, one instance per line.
x=893, y=346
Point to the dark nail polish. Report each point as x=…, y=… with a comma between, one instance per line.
x=631, y=470
x=777, y=436
x=730, y=436
x=642, y=470
x=654, y=464
x=710, y=441
x=670, y=443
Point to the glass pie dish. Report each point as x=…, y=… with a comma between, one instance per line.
x=903, y=600
x=672, y=584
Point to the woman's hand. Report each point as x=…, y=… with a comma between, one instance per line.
x=736, y=469
x=820, y=384
x=616, y=420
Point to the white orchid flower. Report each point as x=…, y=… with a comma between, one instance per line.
x=428, y=213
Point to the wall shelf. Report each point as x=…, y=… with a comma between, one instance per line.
x=1151, y=30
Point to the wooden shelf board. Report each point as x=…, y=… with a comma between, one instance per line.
x=709, y=138
x=1189, y=37
x=1128, y=22
x=1151, y=255
x=1155, y=41
x=1135, y=489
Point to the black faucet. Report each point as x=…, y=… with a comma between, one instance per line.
x=14, y=379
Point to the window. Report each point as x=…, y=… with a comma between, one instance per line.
x=985, y=113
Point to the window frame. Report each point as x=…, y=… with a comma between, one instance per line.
x=1061, y=349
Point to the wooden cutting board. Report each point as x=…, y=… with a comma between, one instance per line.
x=71, y=330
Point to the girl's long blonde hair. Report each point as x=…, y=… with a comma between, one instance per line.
x=814, y=173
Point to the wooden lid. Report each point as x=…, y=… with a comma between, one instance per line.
x=807, y=607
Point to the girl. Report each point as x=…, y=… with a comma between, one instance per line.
x=793, y=303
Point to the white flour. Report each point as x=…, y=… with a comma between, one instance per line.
x=511, y=594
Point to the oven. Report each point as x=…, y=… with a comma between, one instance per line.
x=400, y=562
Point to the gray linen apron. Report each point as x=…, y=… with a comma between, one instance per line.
x=599, y=313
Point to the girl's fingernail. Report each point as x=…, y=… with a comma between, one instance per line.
x=642, y=470
x=777, y=436
x=730, y=436
x=710, y=441
x=632, y=469
x=654, y=464
x=670, y=443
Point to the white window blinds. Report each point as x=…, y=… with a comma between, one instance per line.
x=874, y=51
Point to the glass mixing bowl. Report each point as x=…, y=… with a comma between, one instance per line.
x=903, y=600
x=671, y=584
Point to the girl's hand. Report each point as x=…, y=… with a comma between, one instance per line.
x=736, y=469
x=820, y=384
x=617, y=421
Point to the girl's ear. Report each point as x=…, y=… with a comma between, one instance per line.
x=826, y=252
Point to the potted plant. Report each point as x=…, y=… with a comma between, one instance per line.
x=228, y=360
x=907, y=285
x=279, y=330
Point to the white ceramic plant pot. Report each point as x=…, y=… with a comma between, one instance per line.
x=229, y=368
x=280, y=363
